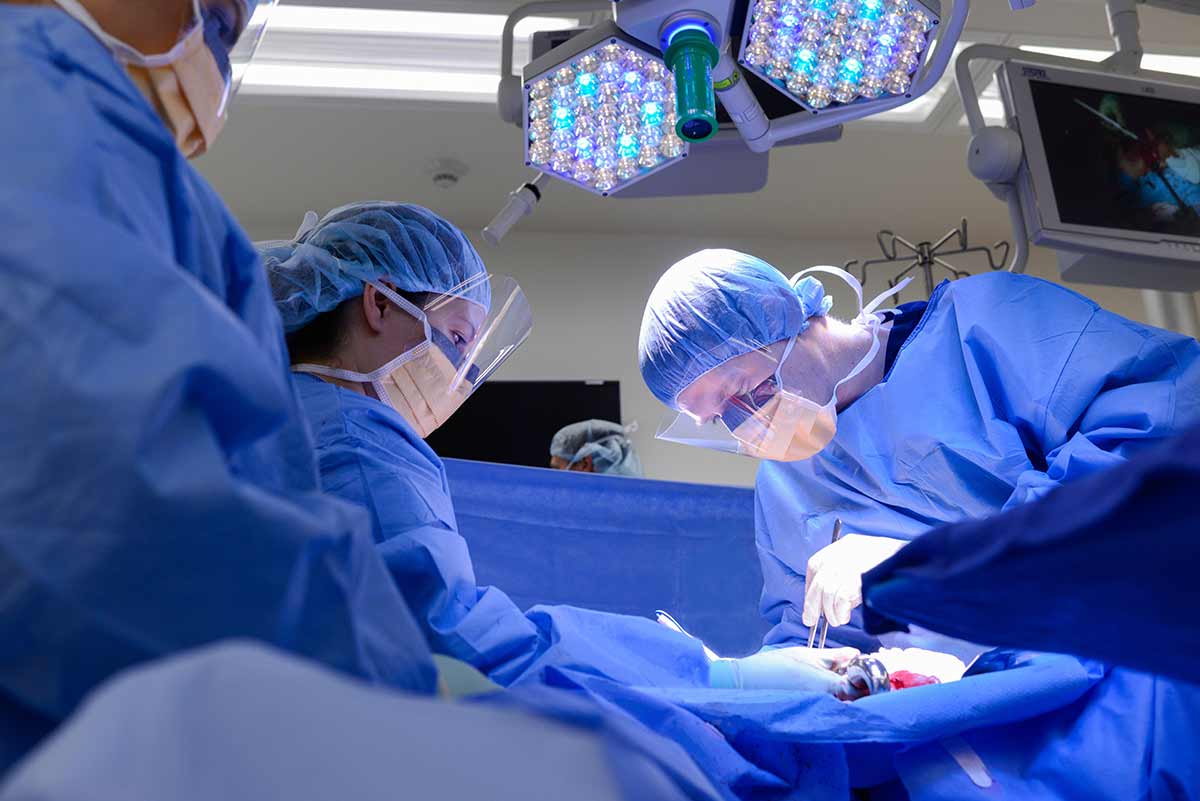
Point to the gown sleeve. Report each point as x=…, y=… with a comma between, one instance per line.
x=1103, y=568
x=1123, y=387
x=430, y=562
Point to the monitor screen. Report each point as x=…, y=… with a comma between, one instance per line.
x=513, y=421
x=1119, y=160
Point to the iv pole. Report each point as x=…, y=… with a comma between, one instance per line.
x=926, y=256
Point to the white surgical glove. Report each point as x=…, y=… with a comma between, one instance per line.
x=834, y=579
x=795, y=668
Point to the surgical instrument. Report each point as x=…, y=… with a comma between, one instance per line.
x=823, y=621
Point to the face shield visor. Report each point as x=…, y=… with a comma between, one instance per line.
x=469, y=332
x=477, y=326
x=236, y=28
x=745, y=406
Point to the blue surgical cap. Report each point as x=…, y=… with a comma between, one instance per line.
x=716, y=305
x=607, y=443
x=407, y=246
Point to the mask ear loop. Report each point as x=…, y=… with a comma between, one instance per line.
x=120, y=49
x=376, y=376
x=866, y=315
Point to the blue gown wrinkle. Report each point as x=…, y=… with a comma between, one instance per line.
x=1008, y=387
x=370, y=456
x=154, y=448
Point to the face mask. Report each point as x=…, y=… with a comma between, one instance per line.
x=417, y=388
x=789, y=427
x=425, y=384
x=188, y=85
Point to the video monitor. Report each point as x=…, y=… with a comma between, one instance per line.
x=1112, y=163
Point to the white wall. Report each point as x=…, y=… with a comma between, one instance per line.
x=588, y=293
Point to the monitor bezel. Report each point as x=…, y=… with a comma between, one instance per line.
x=1037, y=188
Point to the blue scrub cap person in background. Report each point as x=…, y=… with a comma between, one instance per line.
x=596, y=446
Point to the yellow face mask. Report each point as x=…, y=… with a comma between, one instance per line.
x=425, y=390
x=186, y=85
x=425, y=384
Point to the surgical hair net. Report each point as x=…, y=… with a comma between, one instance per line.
x=407, y=246
x=716, y=305
x=607, y=443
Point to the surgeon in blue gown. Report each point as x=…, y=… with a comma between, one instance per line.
x=159, y=488
x=998, y=390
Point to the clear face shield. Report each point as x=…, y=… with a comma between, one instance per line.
x=731, y=408
x=243, y=24
x=477, y=338
x=745, y=405
x=469, y=332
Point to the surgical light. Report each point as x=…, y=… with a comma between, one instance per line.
x=824, y=53
x=602, y=116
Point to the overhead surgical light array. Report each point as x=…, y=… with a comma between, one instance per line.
x=604, y=117
x=633, y=96
x=825, y=52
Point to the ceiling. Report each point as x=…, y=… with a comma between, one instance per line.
x=281, y=156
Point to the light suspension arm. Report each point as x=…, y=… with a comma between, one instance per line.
x=509, y=92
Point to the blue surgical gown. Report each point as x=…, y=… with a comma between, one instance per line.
x=369, y=455
x=158, y=488
x=1008, y=387
x=1059, y=574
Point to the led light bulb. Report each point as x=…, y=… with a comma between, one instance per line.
x=561, y=162
x=845, y=92
x=897, y=83
x=671, y=145
x=585, y=172
x=540, y=153
x=820, y=96
x=606, y=179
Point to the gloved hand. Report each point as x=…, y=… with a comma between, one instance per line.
x=834, y=579
x=797, y=668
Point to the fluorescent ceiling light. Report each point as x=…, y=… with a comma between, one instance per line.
x=317, y=51
x=1159, y=62
x=320, y=19
x=317, y=79
x=993, y=107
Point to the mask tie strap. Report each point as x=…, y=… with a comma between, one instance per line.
x=376, y=376
x=123, y=51
x=879, y=299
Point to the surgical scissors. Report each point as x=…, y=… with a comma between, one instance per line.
x=823, y=621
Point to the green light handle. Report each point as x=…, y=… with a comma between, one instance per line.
x=691, y=56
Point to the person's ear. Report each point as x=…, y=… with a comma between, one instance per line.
x=375, y=308
x=584, y=465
